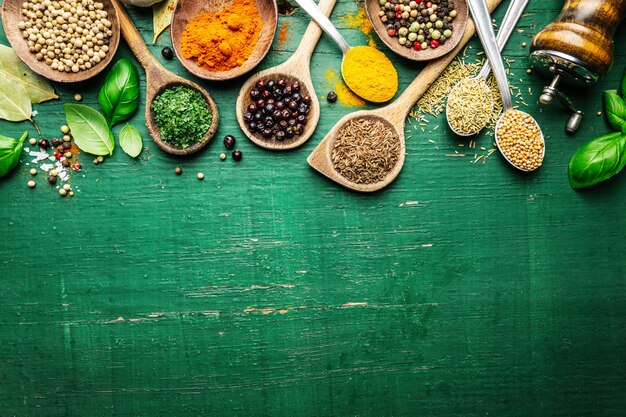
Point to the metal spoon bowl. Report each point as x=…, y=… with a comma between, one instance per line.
x=513, y=14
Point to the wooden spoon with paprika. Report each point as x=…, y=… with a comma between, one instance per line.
x=296, y=68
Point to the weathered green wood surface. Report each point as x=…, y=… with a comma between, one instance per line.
x=266, y=290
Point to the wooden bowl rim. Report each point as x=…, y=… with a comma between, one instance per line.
x=20, y=47
x=264, y=39
x=459, y=24
x=154, y=129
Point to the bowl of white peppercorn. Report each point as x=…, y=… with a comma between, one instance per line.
x=63, y=40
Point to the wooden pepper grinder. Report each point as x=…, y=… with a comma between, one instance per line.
x=577, y=48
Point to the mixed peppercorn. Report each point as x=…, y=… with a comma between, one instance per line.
x=418, y=24
x=278, y=110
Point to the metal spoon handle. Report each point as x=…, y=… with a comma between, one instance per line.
x=512, y=16
x=320, y=18
x=482, y=21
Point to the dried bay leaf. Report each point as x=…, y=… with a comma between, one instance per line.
x=162, y=16
x=14, y=101
x=11, y=66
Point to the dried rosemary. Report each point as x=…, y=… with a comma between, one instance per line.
x=365, y=150
x=470, y=105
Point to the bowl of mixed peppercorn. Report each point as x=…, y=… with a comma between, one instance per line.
x=419, y=30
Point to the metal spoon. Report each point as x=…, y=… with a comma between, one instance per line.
x=512, y=16
x=325, y=24
x=482, y=21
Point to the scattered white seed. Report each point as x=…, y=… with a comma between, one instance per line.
x=31, y=184
x=78, y=97
x=67, y=187
x=222, y=156
x=62, y=192
x=65, y=129
x=54, y=173
x=33, y=171
x=200, y=176
x=32, y=141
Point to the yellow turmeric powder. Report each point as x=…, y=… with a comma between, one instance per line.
x=344, y=94
x=369, y=73
x=223, y=40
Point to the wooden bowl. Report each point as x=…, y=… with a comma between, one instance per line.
x=186, y=10
x=11, y=15
x=372, y=7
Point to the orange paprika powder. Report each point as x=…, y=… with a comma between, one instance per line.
x=222, y=40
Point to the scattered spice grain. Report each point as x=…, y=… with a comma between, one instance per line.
x=222, y=156
x=33, y=171
x=32, y=141
x=200, y=176
x=178, y=170
x=78, y=97
x=237, y=155
x=365, y=150
x=31, y=184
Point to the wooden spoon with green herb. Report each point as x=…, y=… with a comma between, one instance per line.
x=158, y=80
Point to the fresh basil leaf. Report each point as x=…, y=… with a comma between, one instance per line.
x=130, y=141
x=10, y=151
x=624, y=85
x=119, y=96
x=615, y=109
x=597, y=160
x=90, y=129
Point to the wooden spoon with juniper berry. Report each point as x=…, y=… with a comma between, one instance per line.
x=296, y=68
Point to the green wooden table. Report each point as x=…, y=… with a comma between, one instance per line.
x=266, y=290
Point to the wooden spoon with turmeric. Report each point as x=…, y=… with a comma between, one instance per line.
x=390, y=118
x=296, y=68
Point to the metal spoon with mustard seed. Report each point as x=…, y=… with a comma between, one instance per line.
x=470, y=104
x=518, y=136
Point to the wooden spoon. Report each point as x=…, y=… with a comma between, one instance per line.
x=159, y=79
x=372, y=7
x=393, y=115
x=11, y=16
x=298, y=67
x=188, y=9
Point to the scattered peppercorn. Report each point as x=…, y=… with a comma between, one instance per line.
x=78, y=97
x=200, y=176
x=44, y=144
x=222, y=156
x=31, y=184
x=229, y=141
x=100, y=159
x=237, y=155
x=66, y=138
x=77, y=166
x=65, y=129
x=67, y=187
x=55, y=142
x=33, y=171
x=178, y=170
x=167, y=53
x=523, y=44
x=52, y=179
x=71, y=193
x=54, y=173
x=66, y=163
x=331, y=97
x=32, y=141
x=66, y=146
x=279, y=109
x=58, y=155
x=62, y=192
x=67, y=154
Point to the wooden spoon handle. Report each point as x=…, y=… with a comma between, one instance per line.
x=312, y=34
x=399, y=109
x=133, y=38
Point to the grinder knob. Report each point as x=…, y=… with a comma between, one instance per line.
x=583, y=32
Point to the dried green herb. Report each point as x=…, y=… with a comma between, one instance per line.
x=182, y=116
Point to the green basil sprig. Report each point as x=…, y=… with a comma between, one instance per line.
x=603, y=157
x=90, y=130
x=130, y=141
x=119, y=96
x=10, y=151
x=598, y=160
